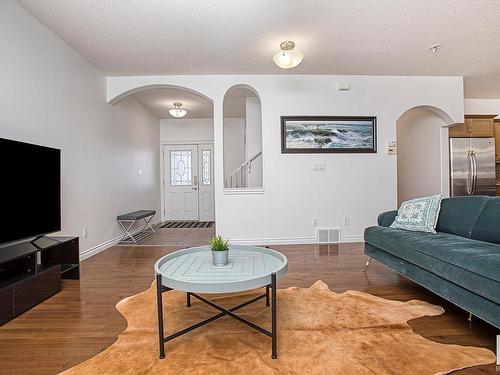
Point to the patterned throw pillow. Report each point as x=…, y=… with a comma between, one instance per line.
x=419, y=215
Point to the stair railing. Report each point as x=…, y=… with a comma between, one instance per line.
x=239, y=178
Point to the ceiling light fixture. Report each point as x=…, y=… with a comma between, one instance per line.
x=288, y=57
x=177, y=111
x=435, y=48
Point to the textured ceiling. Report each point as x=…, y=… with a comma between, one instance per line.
x=382, y=37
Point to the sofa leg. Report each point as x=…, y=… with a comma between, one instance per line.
x=367, y=264
x=470, y=318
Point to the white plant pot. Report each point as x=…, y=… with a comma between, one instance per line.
x=220, y=258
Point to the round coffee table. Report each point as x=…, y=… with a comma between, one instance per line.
x=192, y=271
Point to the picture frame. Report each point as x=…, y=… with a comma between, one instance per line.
x=328, y=134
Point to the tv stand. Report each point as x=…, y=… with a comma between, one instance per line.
x=43, y=236
x=31, y=272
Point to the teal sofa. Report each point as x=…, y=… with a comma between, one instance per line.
x=461, y=263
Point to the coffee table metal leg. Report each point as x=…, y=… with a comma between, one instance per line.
x=273, y=317
x=188, y=299
x=159, y=301
x=267, y=295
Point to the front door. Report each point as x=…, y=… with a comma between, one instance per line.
x=188, y=181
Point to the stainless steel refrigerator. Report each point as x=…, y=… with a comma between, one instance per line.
x=472, y=166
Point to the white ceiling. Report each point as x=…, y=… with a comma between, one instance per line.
x=159, y=101
x=382, y=37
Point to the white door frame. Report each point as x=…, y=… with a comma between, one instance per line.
x=162, y=169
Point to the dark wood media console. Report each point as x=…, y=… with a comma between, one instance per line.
x=31, y=272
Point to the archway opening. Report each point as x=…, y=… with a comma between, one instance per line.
x=242, y=138
x=422, y=153
x=185, y=155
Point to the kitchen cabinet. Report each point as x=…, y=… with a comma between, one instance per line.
x=474, y=127
x=458, y=131
x=480, y=127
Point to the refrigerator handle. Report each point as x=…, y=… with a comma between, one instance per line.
x=474, y=172
x=470, y=174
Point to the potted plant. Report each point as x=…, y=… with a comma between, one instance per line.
x=220, y=250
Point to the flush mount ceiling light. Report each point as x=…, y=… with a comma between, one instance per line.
x=177, y=111
x=288, y=57
x=435, y=48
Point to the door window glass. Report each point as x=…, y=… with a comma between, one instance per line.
x=180, y=168
x=206, y=167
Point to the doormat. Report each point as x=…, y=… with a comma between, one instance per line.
x=187, y=224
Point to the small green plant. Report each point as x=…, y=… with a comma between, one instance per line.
x=218, y=243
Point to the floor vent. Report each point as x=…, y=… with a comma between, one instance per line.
x=328, y=235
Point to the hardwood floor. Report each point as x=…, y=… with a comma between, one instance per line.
x=81, y=320
x=179, y=237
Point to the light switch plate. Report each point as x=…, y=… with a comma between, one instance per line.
x=319, y=167
x=343, y=86
x=391, y=144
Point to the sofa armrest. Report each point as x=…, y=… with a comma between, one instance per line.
x=387, y=218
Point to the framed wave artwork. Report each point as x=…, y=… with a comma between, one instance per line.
x=328, y=134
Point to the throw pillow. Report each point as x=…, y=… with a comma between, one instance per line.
x=419, y=215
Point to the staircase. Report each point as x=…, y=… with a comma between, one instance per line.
x=239, y=178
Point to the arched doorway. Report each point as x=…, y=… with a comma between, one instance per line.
x=242, y=129
x=422, y=153
x=185, y=150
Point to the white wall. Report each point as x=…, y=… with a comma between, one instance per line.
x=52, y=96
x=253, y=126
x=482, y=107
x=419, y=154
x=187, y=130
x=254, y=139
x=360, y=186
x=234, y=144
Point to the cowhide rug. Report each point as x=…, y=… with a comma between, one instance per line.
x=320, y=332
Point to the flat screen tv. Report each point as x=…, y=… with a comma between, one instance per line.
x=30, y=198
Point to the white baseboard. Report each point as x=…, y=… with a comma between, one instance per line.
x=274, y=241
x=353, y=238
x=290, y=240
x=237, y=241
x=109, y=243
x=98, y=248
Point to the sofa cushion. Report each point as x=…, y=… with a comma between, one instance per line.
x=458, y=215
x=472, y=264
x=418, y=215
x=488, y=224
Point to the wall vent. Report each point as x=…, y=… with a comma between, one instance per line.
x=328, y=235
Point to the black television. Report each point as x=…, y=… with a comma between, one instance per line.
x=30, y=198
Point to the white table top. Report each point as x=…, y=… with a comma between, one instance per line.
x=192, y=270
